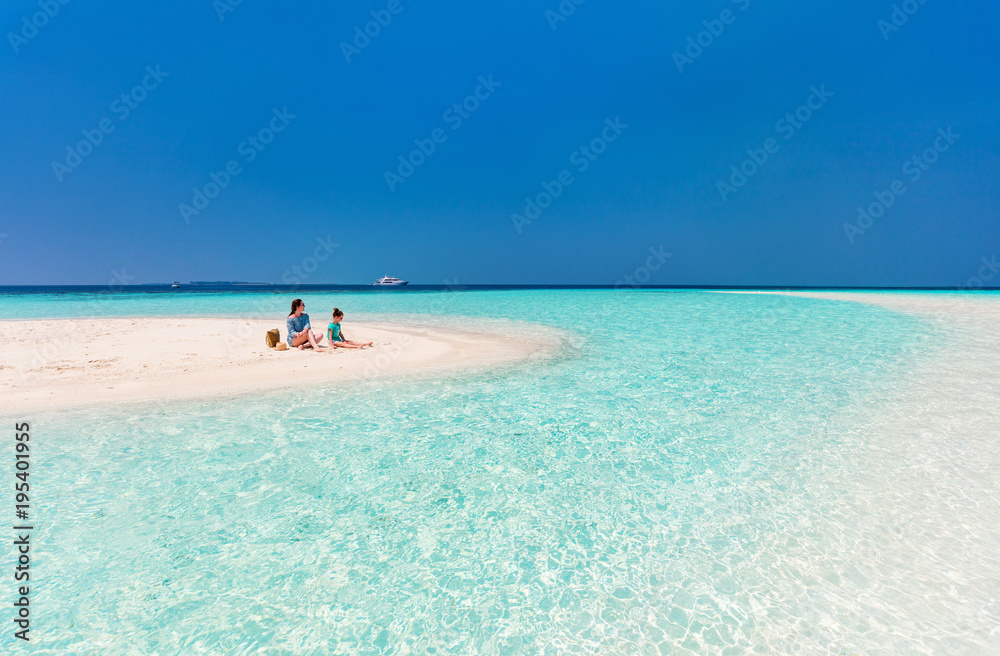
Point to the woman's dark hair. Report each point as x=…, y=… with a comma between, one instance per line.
x=337, y=312
x=295, y=305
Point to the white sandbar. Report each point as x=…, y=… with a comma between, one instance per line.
x=82, y=362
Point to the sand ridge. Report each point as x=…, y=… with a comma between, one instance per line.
x=98, y=361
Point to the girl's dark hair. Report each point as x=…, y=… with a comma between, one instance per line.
x=295, y=305
x=337, y=312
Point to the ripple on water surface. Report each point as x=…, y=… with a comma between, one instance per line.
x=691, y=475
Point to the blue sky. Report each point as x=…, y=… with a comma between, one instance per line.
x=686, y=115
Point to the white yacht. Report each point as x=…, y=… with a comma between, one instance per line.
x=389, y=281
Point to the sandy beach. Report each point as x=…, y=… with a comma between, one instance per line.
x=926, y=500
x=967, y=313
x=98, y=361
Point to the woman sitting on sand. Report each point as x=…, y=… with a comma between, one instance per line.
x=299, y=330
x=336, y=336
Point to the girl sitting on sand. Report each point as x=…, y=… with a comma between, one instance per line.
x=336, y=335
x=299, y=329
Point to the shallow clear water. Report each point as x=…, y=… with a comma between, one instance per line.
x=692, y=472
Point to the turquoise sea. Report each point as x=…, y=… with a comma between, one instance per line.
x=688, y=472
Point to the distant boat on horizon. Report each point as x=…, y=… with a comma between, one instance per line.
x=390, y=281
x=175, y=285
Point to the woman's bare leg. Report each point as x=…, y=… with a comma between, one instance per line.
x=314, y=339
x=308, y=338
